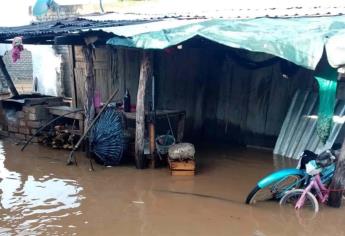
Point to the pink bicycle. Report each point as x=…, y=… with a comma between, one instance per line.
x=306, y=197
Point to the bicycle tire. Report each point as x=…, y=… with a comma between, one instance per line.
x=292, y=197
x=275, y=191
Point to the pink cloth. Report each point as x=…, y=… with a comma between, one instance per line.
x=17, y=45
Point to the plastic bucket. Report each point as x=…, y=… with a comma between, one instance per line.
x=163, y=142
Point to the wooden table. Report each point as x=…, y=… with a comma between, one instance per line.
x=151, y=128
x=162, y=114
x=78, y=115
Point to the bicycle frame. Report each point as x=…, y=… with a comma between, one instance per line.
x=321, y=191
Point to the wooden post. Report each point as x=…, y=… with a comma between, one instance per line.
x=8, y=78
x=338, y=180
x=89, y=86
x=152, y=135
x=145, y=71
x=180, y=127
x=71, y=62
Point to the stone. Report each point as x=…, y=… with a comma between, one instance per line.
x=39, y=112
x=38, y=116
x=20, y=136
x=181, y=151
x=22, y=122
x=24, y=130
x=13, y=122
x=4, y=133
x=34, y=131
x=34, y=124
x=13, y=128
x=20, y=114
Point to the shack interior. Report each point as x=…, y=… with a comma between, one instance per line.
x=229, y=95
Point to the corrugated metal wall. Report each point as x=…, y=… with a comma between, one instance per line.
x=299, y=128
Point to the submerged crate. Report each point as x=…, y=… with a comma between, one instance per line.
x=182, y=167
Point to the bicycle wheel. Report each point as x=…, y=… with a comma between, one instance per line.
x=274, y=190
x=291, y=198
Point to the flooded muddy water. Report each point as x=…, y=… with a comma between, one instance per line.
x=40, y=195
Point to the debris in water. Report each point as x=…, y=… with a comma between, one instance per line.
x=258, y=233
x=138, y=202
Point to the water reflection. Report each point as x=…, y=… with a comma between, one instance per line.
x=32, y=205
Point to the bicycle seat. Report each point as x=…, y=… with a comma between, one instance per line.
x=305, y=157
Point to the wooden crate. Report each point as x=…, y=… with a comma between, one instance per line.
x=182, y=168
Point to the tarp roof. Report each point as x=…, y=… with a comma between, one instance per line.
x=299, y=40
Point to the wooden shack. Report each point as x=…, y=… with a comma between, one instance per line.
x=229, y=94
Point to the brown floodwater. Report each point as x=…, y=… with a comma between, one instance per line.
x=40, y=195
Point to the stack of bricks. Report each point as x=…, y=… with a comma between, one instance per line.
x=27, y=121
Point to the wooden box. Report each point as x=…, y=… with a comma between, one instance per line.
x=182, y=168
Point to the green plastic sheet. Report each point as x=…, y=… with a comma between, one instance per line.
x=327, y=81
x=299, y=40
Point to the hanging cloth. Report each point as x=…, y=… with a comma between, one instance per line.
x=327, y=80
x=17, y=47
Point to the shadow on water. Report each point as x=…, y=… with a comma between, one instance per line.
x=199, y=195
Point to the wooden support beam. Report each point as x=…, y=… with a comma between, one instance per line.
x=152, y=136
x=89, y=85
x=8, y=77
x=145, y=71
x=338, y=181
x=71, y=62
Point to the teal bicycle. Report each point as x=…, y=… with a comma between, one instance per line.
x=276, y=184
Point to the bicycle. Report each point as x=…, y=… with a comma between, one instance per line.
x=307, y=197
x=276, y=184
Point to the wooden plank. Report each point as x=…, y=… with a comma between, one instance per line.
x=61, y=110
x=102, y=54
x=182, y=165
x=97, y=65
x=79, y=53
x=103, y=78
x=145, y=70
x=159, y=114
x=71, y=62
x=89, y=86
x=80, y=85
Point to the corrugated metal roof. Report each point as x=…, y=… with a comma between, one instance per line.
x=148, y=12
x=168, y=14
x=299, y=128
x=63, y=26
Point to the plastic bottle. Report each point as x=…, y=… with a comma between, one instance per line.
x=127, y=102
